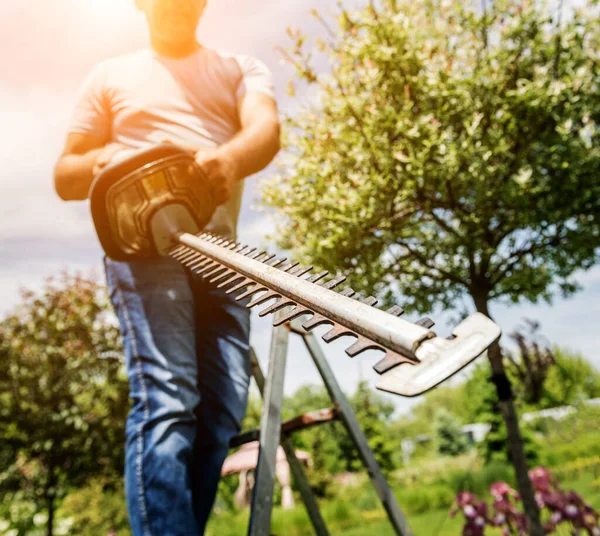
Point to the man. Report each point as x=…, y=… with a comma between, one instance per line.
x=186, y=345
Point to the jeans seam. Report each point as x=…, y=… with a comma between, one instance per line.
x=140, y=427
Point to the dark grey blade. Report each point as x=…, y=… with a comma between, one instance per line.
x=395, y=310
x=199, y=264
x=317, y=277
x=289, y=267
x=215, y=271
x=268, y=259
x=207, y=267
x=317, y=320
x=226, y=275
x=291, y=315
x=234, y=279
x=336, y=332
x=348, y=292
x=334, y=282
x=281, y=303
x=186, y=255
x=240, y=286
x=263, y=299
x=361, y=345
x=192, y=259
x=299, y=272
x=392, y=360
x=425, y=322
x=251, y=292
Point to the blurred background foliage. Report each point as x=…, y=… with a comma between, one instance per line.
x=449, y=153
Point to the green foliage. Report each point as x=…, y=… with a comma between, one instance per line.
x=451, y=441
x=478, y=481
x=322, y=442
x=373, y=413
x=62, y=408
x=451, y=151
x=495, y=447
x=571, y=380
x=573, y=437
x=424, y=499
x=96, y=508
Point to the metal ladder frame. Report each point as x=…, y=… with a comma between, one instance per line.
x=272, y=433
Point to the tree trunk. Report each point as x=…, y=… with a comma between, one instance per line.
x=515, y=442
x=50, y=495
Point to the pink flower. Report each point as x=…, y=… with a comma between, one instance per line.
x=469, y=511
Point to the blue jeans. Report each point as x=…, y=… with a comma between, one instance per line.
x=188, y=363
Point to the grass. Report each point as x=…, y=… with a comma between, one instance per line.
x=357, y=513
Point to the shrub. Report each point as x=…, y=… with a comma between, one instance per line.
x=421, y=499
x=586, y=446
x=96, y=509
x=559, y=507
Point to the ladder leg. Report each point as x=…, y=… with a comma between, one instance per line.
x=395, y=514
x=308, y=497
x=270, y=428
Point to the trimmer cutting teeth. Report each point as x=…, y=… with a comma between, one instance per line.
x=157, y=203
x=264, y=278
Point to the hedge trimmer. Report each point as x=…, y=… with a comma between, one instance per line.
x=157, y=202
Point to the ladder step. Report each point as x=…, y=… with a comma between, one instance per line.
x=301, y=422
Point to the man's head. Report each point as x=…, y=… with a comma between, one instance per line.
x=172, y=23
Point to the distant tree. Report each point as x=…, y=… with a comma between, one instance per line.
x=547, y=376
x=450, y=439
x=321, y=442
x=373, y=413
x=62, y=407
x=571, y=380
x=450, y=153
x=480, y=397
x=532, y=364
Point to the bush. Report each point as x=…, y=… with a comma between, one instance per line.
x=424, y=498
x=585, y=446
x=96, y=509
x=450, y=439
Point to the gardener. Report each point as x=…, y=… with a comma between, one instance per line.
x=186, y=345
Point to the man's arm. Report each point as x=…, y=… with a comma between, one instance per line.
x=83, y=158
x=249, y=151
x=257, y=143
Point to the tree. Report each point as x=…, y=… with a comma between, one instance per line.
x=450, y=439
x=546, y=376
x=533, y=363
x=62, y=407
x=373, y=413
x=452, y=154
x=571, y=380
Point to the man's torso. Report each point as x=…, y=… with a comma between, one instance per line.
x=149, y=99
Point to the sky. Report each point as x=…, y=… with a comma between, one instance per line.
x=46, y=49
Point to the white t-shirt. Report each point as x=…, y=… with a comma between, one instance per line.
x=142, y=98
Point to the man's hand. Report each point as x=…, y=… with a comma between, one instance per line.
x=105, y=156
x=221, y=170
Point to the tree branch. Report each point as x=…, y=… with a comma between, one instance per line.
x=423, y=260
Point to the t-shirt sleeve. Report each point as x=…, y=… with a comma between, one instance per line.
x=92, y=111
x=256, y=77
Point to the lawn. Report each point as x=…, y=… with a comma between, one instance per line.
x=351, y=519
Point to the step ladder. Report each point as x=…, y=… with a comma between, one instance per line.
x=273, y=432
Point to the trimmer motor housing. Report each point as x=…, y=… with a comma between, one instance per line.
x=141, y=204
